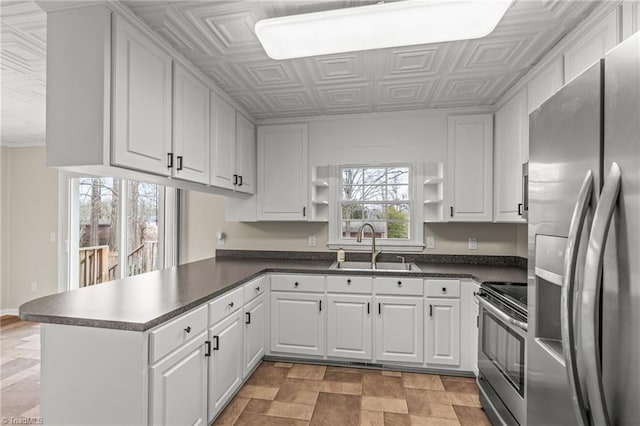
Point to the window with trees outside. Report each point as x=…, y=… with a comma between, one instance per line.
x=378, y=195
x=117, y=227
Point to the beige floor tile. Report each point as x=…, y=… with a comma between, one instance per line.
x=309, y=372
x=395, y=419
x=306, y=397
x=422, y=381
x=371, y=418
x=459, y=386
x=259, y=406
x=433, y=421
x=471, y=416
x=232, y=411
x=335, y=409
x=465, y=399
x=392, y=373
x=390, y=405
x=352, y=388
x=290, y=410
x=258, y=392
x=283, y=365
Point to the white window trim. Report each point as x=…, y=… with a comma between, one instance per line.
x=413, y=244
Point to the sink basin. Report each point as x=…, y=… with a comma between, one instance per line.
x=380, y=266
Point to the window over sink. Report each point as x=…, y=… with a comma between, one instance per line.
x=382, y=195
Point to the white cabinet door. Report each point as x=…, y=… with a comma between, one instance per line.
x=255, y=327
x=179, y=386
x=443, y=331
x=245, y=155
x=282, y=172
x=142, y=102
x=399, y=329
x=545, y=84
x=470, y=164
x=592, y=46
x=349, y=326
x=510, y=151
x=297, y=323
x=223, y=143
x=190, y=126
x=225, y=362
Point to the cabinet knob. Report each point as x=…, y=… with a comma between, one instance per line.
x=444, y=289
x=188, y=329
x=258, y=288
x=399, y=283
x=231, y=305
x=296, y=284
x=349, y=281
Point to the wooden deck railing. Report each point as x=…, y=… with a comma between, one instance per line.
x=94, y=265
x=142, y=258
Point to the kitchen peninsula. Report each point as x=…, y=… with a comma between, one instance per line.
x=229, y=312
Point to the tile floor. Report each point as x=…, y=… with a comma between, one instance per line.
x=301, y=394
x=277, y=393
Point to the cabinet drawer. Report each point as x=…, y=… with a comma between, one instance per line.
x=254, y=288
x=225, y=304
x=176, y=332
x=306, y=283
x=442, y=288
x=349, y=285
x=399, y=286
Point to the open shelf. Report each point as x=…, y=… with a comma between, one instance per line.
x=433, y=192
x=321, y=178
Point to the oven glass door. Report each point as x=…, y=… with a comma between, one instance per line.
x=503, y=346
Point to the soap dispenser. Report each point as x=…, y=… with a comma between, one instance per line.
x=340, y=254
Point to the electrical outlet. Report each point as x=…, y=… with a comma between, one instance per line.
x=312, y=241
x=34, y=287
x=473, y=244
x=431, y=241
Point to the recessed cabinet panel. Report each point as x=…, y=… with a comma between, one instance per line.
x=470, y=158
x=297, y=323
x=399, y=329
x=245, y=155
x=282, y=168
x=349, y=326
x=255, y=328
x=443, y=331
x=142, y=99
x=223, y=143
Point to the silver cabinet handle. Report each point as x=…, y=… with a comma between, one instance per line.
x=592, y=295
x=569, y=288
x=504, y=317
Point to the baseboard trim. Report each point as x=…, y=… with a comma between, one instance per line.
x=9, y=311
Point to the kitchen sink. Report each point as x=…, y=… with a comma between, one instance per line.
x=379, y=266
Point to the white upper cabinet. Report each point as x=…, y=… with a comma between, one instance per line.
x=470, y=168
x=592, y=46
x=190, y=127
x=545, y=84
x=245, y=155
x=282, y=172
x=142, y=101
x=223, y=143
x=510, y=151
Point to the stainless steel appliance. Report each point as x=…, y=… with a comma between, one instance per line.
x=584, y=248
x=502, y=342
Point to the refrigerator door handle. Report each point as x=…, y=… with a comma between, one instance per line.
x=567, y=311
x=592, y=294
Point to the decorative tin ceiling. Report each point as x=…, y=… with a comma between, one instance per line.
x=218, y=37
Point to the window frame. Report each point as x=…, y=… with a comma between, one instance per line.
x=68, y=228
x=416, y=229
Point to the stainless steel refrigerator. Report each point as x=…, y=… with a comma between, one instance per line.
x=583, y=343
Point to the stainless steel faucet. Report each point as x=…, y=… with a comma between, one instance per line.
x=374, y=253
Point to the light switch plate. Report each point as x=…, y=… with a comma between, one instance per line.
x=473, y=244
x=312, y=241
x=431, y=242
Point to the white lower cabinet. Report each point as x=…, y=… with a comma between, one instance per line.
x=399, y=329
x=349, y=326
x=297, y=323
x=179, y=386
x=442, y=324
x=254, y=333
x=225, y=363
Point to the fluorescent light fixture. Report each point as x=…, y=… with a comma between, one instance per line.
x=401, y=23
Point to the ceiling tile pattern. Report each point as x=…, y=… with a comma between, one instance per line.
x=23, y=67
x=218, y=37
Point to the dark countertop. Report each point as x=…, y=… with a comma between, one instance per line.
x=144, y=301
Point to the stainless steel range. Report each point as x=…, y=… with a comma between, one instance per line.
x=502, y=350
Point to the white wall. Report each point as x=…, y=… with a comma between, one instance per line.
x=29, y=216
x=3, y=228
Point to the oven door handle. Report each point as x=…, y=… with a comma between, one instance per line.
x=592, y=294
x=497, y=312
x=569, y=310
